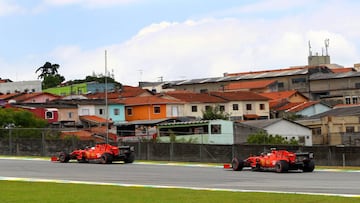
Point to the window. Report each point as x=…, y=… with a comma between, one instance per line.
x=347, y=100
x=49, y=115
x=101, y=111
x=222, y=108
x=70, y=114
x=216, y=129
x=203, y=90
x=298, y=80
x=354, y=100
x=357, y=85
x=248, y=107
x=156, y=109
x=116, y=112
x=235, y=107
x=193, y=108
x=262, y=106
x=129, y=111
x=85, y=112
x=207, y=108
x=350, y=129
x=316, y=131
x=280, y=85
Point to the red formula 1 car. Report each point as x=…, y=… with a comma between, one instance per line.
x=101, y=153
x=277, y=160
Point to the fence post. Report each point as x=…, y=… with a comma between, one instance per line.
x=42, y=143
x=10, y=142
x=171, y=150
x=139, y=148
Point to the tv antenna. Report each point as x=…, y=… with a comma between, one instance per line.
x=327, y=41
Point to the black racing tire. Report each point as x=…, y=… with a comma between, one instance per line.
x=64, y=157
x=237, y=164
x=256, y=168
x=309, y=166
x=129, y=158
x=106, y=158
x=281, y=166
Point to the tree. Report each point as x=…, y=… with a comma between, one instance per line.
x=213, y=113
x=50, y=76
x=47, y=69
x=262, y=137
x=20, y=118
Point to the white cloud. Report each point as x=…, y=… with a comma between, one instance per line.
x=211, y=46
x=204, y=48
x=7, y=8
x=89, y=3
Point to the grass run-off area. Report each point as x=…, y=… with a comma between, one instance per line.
x=38, y=192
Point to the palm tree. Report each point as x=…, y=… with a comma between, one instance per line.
x=47, y=69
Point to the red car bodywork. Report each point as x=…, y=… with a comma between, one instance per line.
x=103, y=153
x=277, y=160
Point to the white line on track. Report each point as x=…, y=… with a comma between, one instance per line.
x=162, y=186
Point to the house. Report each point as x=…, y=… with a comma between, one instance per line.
x=81, y=88
x=302, y=109
x=244, y=105
x=205, y=132
x=240, y=105
x=48, y=114
x=282, y=98
x=142, y=129
x=151, y=107
x=194, y=104
x=125, y=92
x=34, y=97
x=67, y=114
x=285, y=128
x=338, y=126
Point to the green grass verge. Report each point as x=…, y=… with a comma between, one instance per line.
x=35, y=192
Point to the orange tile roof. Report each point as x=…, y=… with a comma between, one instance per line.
x=145, y=100
x=297, y=106
x=342, y=70
x=240, y=96
x=187, y=96
x=93, y=119
x=27, y=96
x=9, y=96
x=130, y=91
x=89, y=134
x=249, y=84
x=287, y=106
x=279, y=95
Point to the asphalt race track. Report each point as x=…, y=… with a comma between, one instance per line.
x=205, y=177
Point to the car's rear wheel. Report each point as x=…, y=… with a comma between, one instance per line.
x=237, y=164
x=129, y=158
x=106, y=158
x=64, y=157
x=309, y=166
x=281, y=166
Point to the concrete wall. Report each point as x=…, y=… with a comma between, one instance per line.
x=21, y=86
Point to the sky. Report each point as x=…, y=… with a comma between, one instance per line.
x=166, y=40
